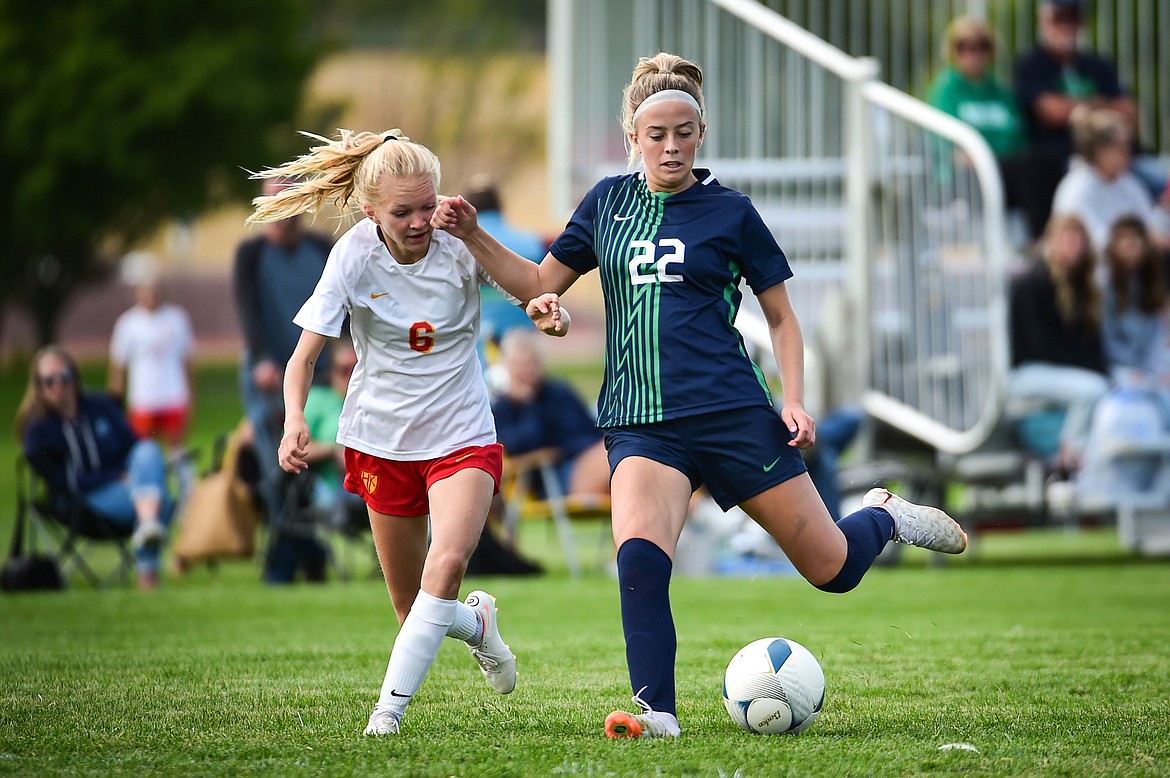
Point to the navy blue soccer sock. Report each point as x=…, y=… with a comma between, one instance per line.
x=867, y=531
x=644, y=578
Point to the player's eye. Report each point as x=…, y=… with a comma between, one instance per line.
x=656, y=138
x=400, y=214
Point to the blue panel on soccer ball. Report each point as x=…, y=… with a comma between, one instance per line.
x=778, y=653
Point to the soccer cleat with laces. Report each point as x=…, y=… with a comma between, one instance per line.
x=919, y=525
x=648, y=723
x=495, y=659
x=382, y=722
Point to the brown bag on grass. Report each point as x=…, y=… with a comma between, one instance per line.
x=220, y=515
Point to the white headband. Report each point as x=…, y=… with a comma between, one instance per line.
x=663, y=96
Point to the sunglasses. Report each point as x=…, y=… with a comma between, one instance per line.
x=982, y=46
x=52, y=379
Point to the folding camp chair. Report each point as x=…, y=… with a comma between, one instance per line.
x=303, y=523
x=72, y=531
x=523, y=474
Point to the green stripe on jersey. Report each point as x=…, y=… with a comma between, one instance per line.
x=633, y=381
x=732, y=312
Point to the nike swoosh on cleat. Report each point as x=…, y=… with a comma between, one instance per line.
x=617, y=218
x=768, y=468
x=394, y=693
x=376, y=295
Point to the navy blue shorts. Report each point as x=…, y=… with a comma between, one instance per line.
x=736, y=453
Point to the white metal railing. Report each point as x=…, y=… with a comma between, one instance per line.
x=890, y=212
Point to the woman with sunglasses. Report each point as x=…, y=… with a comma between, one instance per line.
x=968, y=89
x=82, y=445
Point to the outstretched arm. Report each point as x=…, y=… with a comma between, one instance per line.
x=523, y=279
x=788, y=348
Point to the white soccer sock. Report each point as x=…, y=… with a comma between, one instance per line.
x=414, y=650
x=467, y=625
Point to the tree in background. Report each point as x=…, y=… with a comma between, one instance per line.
x=121, y=115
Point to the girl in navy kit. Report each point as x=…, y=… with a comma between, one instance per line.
x=682, y=405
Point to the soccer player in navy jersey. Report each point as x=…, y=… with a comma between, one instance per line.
x=682, y=404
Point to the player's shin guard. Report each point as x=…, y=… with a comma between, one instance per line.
x=644, y=577
x=867, y=531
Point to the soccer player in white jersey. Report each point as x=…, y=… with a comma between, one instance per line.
x=682, y=404
x=416, y=424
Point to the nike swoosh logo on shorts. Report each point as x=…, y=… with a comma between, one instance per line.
x=617, y=218
x=465, y=456
x=768, y=468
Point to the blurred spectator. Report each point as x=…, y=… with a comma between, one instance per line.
x=1134, y=312
x=535, y=411
x=1099, y=187
x=274, y=273
x=1056, y=348
x=1055, y=78
x=150, y=356
x=497, y=314
x=326, y=457
x=82, y=445
x=968, y=89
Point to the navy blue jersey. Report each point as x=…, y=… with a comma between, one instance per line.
x=670, y=268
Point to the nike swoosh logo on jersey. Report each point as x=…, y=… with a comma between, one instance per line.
x=376, y=295
x=768, y=468
x=617, y=218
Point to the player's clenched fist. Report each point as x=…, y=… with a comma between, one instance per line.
x=294, y=446
x=456, y=216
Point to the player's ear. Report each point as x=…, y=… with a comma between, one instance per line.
x=368, y=210
x=634, y=140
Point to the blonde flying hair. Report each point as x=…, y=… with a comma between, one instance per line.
x=351, y=168
x=654, y=74
x=1077, y=295
x=32, y=405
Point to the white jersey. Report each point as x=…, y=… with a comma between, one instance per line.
x=154, y=347
x=418, y=391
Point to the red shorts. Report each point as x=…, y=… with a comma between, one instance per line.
x=397, y=488
x=169, y=423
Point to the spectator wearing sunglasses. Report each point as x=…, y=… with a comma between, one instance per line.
x=82, y=445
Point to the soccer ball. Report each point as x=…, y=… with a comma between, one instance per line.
x=774, y=686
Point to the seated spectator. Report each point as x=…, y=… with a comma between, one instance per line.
x=1055, y=330
x=1134, y=312
x=1099, y=187
x=535, y=411
x=84, y=448
x=1051, y=81
x=498, y=315
x=326, y=457
x=968, y=89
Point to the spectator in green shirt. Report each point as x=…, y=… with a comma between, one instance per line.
x=968, y=90
x=322, y=412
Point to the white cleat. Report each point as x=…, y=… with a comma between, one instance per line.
x=495, y=659
x=382, y=722
x=919, y=525
x=648, y=723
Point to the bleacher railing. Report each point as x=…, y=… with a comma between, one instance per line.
x=890, y=211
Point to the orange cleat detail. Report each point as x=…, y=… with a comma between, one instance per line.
x=620, y=724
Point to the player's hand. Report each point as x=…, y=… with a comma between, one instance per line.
x=545, y=312
x=802, y=426
x=294, y=446
x=456, y=216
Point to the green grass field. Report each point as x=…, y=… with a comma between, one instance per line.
x=1048, y=652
